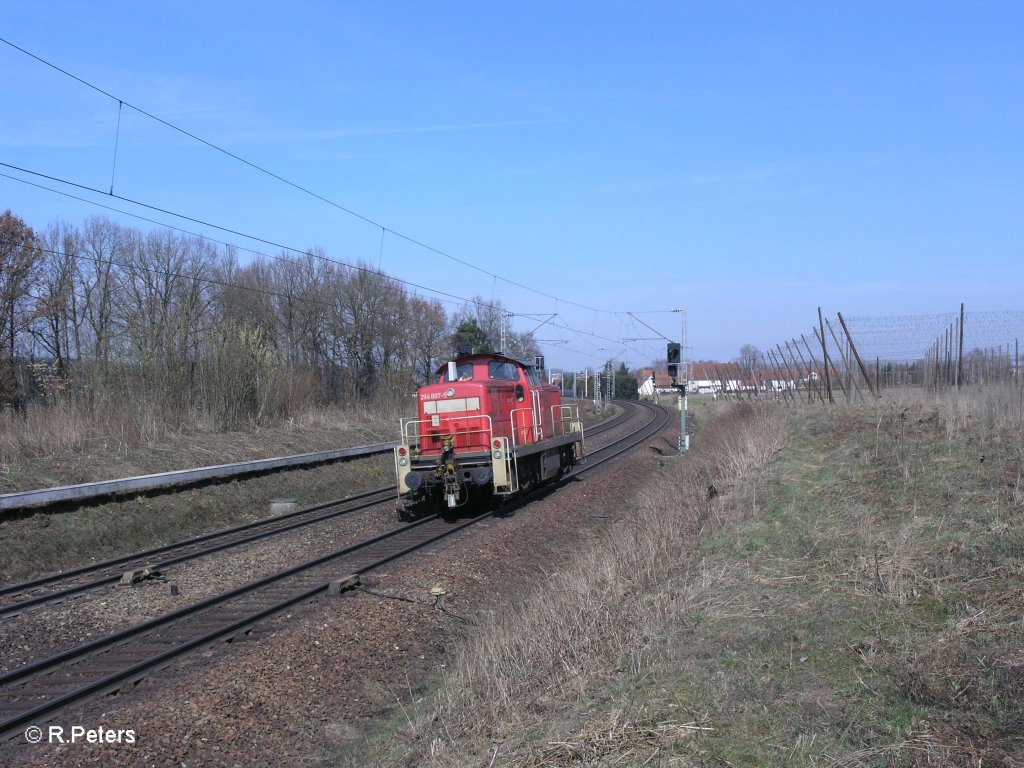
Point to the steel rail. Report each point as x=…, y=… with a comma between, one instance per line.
x=15, y=685
x=149, y=556
x=11, y=682
x=659, y=418
x=215, y=542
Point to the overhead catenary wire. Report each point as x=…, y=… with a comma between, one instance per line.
x=453, y=298
x=298, y=187
x=442, y=296
x=292, y=297
x=117, y=141
x=255, y=238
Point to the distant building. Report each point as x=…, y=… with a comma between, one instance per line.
x=710, y=378
x=647, y=387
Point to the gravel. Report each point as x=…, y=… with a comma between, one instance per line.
x=42, y=631
x=302, y=686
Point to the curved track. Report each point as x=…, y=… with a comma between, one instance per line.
x=34, y=692
x=56, y=587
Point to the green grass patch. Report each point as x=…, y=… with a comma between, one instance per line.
x=855, y=599
x=872, y=615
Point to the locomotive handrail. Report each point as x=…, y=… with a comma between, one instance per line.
x=538, y=417
x=524, y=426
x=568, y=414
x=406, y=423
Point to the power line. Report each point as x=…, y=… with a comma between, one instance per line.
x=633, y=315
x=451, y=297
x=217, y=227
x=206, y=238
x=384, y=229
x=305, y=190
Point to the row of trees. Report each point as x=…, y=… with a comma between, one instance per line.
x=179, y=324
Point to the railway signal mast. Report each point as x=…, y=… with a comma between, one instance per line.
x=679, y=370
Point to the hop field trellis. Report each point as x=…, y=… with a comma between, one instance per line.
x=950, y=349
x=855, y=358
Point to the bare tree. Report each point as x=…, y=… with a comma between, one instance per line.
x=370, y=312
x=103, y=249
x=19, y=255
x=748, y=361
x=521, y=345
x=56, y=320
x=429, y=333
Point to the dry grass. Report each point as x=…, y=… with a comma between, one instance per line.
x=42, y=430
x=600, y=615
x=621, y=738
x=66, y=443
x=123, y=425
x=984, y=412
x=854, y=601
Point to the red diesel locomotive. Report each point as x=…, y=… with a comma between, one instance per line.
x=487, y=427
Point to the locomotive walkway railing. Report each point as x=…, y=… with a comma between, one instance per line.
x=142, y=483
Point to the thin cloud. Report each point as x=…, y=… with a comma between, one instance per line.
x=698, y=180
x=291, y=137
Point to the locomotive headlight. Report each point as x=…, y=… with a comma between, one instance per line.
x=402, y=462
x=497, y=454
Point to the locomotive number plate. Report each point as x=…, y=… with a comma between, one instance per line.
x=437, y=395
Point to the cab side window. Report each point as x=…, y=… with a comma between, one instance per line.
x=532, y=375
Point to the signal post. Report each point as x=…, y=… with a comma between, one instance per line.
x=675, y=372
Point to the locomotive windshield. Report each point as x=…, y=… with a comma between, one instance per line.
x=502, y=370
x=464, y=373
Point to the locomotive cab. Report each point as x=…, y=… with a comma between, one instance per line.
x=487, y=425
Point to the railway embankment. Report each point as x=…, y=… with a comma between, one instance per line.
x=40, y=541
x=808, y=587
x=293, y=687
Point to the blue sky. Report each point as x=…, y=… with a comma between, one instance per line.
x=747, y=161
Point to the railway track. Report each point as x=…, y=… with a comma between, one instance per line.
x=57, y=587
x=53, y=588
x=36, y=691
